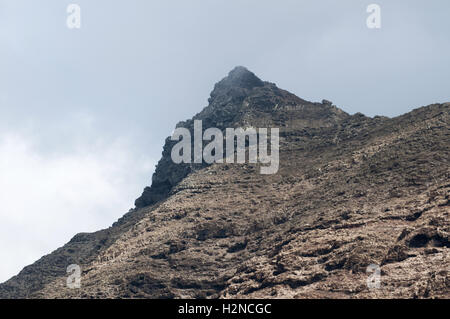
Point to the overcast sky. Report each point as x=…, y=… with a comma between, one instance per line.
x=84, y=112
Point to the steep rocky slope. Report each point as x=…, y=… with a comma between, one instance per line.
x=351, y=191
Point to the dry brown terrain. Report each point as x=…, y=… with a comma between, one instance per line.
x=351, y=191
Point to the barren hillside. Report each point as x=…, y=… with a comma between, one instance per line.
x=350, y=191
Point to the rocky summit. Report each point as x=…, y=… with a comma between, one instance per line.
x=352, y=194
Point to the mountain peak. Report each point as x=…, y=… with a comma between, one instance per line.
x=206, y=230
x=240, y=77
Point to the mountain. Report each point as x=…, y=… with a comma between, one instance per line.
x=351, y=191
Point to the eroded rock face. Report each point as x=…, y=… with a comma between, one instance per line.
x=351, y=191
